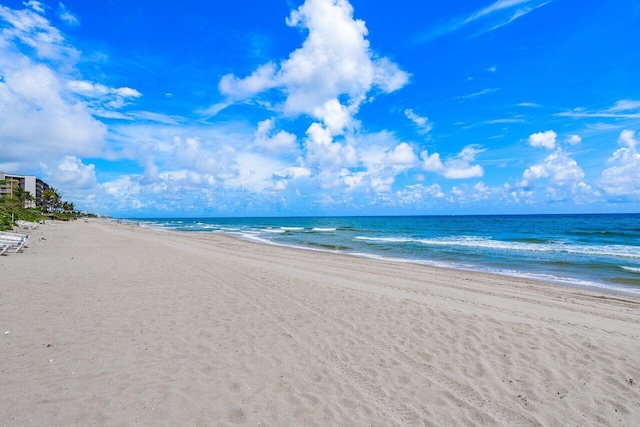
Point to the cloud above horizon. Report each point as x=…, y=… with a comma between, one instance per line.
x=334, y=62
x=329, y=124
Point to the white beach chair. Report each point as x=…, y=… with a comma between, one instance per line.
x=15, y=242
x=14, y=236
x=4, y=249
x=26, y=225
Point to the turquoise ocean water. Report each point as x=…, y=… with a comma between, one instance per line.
x=590, y=251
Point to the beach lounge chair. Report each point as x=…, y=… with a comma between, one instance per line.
x=15, y=242
x=3, y=249
x=14, y=236
x=26, y=225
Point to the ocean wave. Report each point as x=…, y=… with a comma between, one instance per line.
x=322, y=229
x=621, y=251
x=631, y=269
x=292, y=228
x=549, y=278
x=273, y=230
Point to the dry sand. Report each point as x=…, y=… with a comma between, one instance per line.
x=115, y=325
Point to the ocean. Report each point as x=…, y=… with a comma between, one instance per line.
x=600, y=252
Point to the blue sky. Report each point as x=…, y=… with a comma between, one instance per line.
x=324, y=107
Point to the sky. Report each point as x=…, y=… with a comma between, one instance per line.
x=324, y=107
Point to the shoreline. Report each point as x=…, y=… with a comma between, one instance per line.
x=566, y=282
x=122, y=325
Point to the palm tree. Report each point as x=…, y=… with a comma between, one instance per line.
x=29, y=198
x=68, y=207
x=23, y=195
x=50, y=199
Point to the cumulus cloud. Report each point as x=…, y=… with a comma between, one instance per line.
x=417, y=194
x=71, y=173
x=558, y=167
x=275, y=142
x=574, y=139
x=622, y=178
x=47, y=112
x=458, y=167
x=334, y=64
x=39, y=121
x=560, y=177
x=326, y=153
x=543, y=139
x=465, y=194
x=401, y=155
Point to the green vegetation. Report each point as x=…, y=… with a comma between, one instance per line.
x=12, y=208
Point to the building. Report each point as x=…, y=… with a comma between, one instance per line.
x=30, y=183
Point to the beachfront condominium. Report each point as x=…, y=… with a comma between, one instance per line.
x=35, y=186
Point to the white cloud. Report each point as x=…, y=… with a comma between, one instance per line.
x=68, y=17
x=561, y=178
x=625, y=105
x=335, y=62
x=494, y=16
x=253, y=172
x=124, y=193
x=39, y=121
x=278, y=142
x=101, y=97
x=324, y=152
x=458, y=167
x=495, y=7
x=35, y=5
x=418, y=193
x=35, y=31
x=335, y=116
x=260, y=80
x=151, y=116
x=214, y=109
x=72, y=174
x=574, y=139
x=479, y=93
x=293, y=172
x=622, y=178
x=422, y=123
x=543, y=139
x=401, y=155
x=465, y=194
x=45, y=112
x=622, y=109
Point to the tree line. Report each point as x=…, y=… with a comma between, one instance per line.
x=19, y=206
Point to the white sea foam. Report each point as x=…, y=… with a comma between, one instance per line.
x=549, y=278
x=485, y=243
x=292, y=228
x=272, y=230
x=321, y=229
x=631, y=269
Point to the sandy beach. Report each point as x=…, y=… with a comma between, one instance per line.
x=106, y=324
